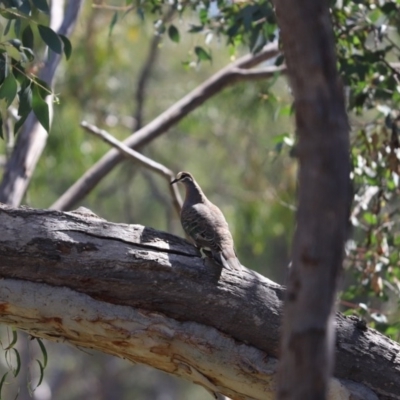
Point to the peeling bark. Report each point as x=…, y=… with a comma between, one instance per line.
x=147, y=296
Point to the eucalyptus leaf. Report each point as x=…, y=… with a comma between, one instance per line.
x=8, y=89
x=173, y=33
x=67, y=46
x=42, y=6
x=202, y=55
x=50, y=38
x=40, y=108
x=27, y=37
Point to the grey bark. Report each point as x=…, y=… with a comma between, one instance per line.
x=145, y=272
x=324, y=198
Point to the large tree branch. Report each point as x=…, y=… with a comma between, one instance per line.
x=166, y=120
x=187, y=349
x=112, y=286
x=32, y=138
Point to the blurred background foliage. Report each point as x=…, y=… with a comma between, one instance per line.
x=238, y=145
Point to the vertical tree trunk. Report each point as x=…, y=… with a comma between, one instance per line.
x=324, y=198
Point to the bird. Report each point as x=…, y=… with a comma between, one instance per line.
x=205, y=224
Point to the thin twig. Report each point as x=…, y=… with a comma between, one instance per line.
x=147, y=69
x=145, y=74
x=256, y=74
x=140, y=159
x=161, y=124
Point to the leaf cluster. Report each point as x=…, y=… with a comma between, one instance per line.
x=26, y=24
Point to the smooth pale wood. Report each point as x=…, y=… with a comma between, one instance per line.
x=79, y=262
x=193, y=351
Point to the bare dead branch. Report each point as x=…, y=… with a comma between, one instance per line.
x=161, y=124
x=32, y=138
x=140, y=159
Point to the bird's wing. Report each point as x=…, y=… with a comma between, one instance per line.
x=205, y=225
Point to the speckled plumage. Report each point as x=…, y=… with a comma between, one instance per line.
x=205, y=224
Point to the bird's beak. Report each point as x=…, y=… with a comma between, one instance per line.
x=174, y=181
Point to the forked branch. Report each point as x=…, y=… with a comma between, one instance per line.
x=167, y=119
x=140, y=159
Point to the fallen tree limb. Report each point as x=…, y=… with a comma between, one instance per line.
x=145, y=295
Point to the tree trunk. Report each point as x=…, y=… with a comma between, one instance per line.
x=324, y=198
x=147, y=296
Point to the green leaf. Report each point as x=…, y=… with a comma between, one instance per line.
x=67, y=46
x=113, y=22
x=202, y=55
x=1, y=136
x=41, y=373
x=25, y=7
x=196, y=28
x=278, y=139
x=18, y=359
x=14, y=340
x=28, y=53
x=389, y=7
x=25, y=101
x=17, y=27
x=370, y=218
x=40, y=108
x=42, y=6
x=3, y=379
x=44, y=352
x=19, y=123
x=7, y=28
x=27, y=37
x=50, y=38
x=43, y=87
x=203, y=15
x=173, y=34
x=8, y=89
x=13, y=49
x=4, y=13
x=286, y=110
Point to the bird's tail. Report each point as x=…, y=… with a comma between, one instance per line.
x=228, y=262
x=232, y=263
